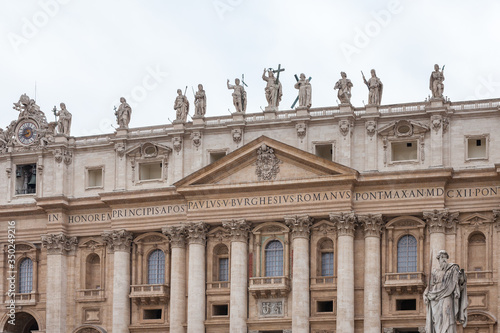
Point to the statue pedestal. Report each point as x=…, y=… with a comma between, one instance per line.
x=373, y=109
x=437, y=102
x=178, y=125
x=346, y=108
x=302, y=111
x=198, y=120
x=60, y=138
x=121, y=131
x=271, y=109
x=238, y=116
x=270, y=112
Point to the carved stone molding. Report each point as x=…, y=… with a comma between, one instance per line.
x=371, y=127
x=59, y=243
x=177, y=235
x=440, y=220
x=267, y=164
x=63, y=155
x=372, y=224
x=238, y=229
x=345, y=126
x=117, y=240
x=496, y=220
x=436, y=122
x=120, y=149
x=345, y=223
x=177, y=144
x=197, y=233
x=237, y=135
x=300, y=225
x=196, y=138
x=301, y=130
x=9, y=172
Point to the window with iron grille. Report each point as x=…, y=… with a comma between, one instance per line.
x=26, y=276
x=156, y=267
x=407, y=254
x=274, y=258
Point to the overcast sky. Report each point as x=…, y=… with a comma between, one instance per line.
x=90, y=53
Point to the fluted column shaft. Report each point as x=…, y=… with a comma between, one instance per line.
x=345, y=224
x=437, y=222
x=119, y=242
x=238, y=230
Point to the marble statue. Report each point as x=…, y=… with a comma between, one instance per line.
x=344, y=86
x=200, y=102
x=123, y=114
x=436, y=84
x=239, y=95
x=305, y=91
x=64, y=121
x=375, y=88
x=273, y=89
x=181, y=106
x=446, y=297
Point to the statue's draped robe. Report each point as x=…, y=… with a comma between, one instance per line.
x=449, y=301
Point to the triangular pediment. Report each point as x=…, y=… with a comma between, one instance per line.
x=266, y=161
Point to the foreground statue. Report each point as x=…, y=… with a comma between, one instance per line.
x=375, y=88
x=239, y=95
x=123, y=114
x=446, y=297
x=344, y=86
x=436, y=84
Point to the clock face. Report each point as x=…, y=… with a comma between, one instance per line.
x=27, y=132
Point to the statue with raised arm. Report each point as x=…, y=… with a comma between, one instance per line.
x=181, y=107
x=200, y=102
x=273, y=89
x=239, y=95
x=446, y=297
x=344, y=86
x=436, y=84
x=305, y=91
x=64, y=121
x=375, y=88
x=123, y=114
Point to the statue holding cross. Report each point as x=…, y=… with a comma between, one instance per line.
x=305, y=90
x=273, y=88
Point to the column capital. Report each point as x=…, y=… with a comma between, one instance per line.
x=372, y=224
x=59, y=243
x=197, y=233
x=496, y=220
x=439, y=220
x=177, y=235
x=345, y=223
x=300, y=225
x=238, y=229
x=118, y=240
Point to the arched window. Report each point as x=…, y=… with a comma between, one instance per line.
x=25, y=276
x=326, y=257
x=221, y=263
x=274, y=258
x=477, y=252
x=156, y=267
x=407, y=254
x=93, y=272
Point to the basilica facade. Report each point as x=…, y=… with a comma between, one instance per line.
x=315, y=220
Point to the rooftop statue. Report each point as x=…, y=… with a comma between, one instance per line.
x=123, y=114
x=200, y=102
x=273, y=88
x=436, y=84
x=344, y=86
x=305, y=91
x=181, y=106
x=64, y=121
x=239, y=95
x=375, y=88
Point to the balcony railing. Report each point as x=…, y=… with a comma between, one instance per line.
x=408, y=282
x=218, y=285
x=90, y=295
x=324, y=281
x=479, y=275
x=24, y=299
x=150, y=293
x=265, y=287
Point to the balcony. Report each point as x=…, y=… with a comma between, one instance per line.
x=23, y=299
x=269, y=287
x=479, y=278
x=90, y=295
x=218, y=288
x=405, y=283
x=323, y=282
x=150, y=293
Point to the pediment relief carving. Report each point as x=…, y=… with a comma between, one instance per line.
x=324, y=227
x=271, y=228
x=151, y=238
x=475, y=220
x=405, y=222
x=402, y=129
x=148, y=150
x=481, y=317
x=219, y=233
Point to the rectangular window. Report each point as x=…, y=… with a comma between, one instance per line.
x=26, y=179
x=152, y=314
x=94, y=178
x=476, y=148
x=223, y=269
x=150, y=171
x=327, y=264
x=404, y=151
x=406, y=304
x=325, y=151
x=215, y=156
x=324, y=306
x=220, y=310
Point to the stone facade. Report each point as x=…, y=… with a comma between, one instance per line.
x=308, y=220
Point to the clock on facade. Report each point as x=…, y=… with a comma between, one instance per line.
x=27, y=132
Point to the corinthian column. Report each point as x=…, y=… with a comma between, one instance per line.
x=300, y=226
x=238, y=229
x=177, y=237
x=345, y=223
x=118, y=242
x=437, y=222
x=59, y=246
x=196, y=235
x=372, y=226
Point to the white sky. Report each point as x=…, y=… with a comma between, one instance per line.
x=90, y=53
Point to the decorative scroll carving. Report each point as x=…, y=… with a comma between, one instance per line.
x=345, y=126
x=436, y=123
x=197, y=233
x=238, y=229
x=237, y=135
x=177, y=144
x=196, y=138
x=440, y=220
x=120, y=149
x=371, y=127
x=372, y=224
x=59, y=243
x=300, y=225
x=496, y=220
x=301, y=130
x=177, y=235
x=271, y=308
x=63, y=155
x=267, y=163
x=117, y=240
x=345, y=223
